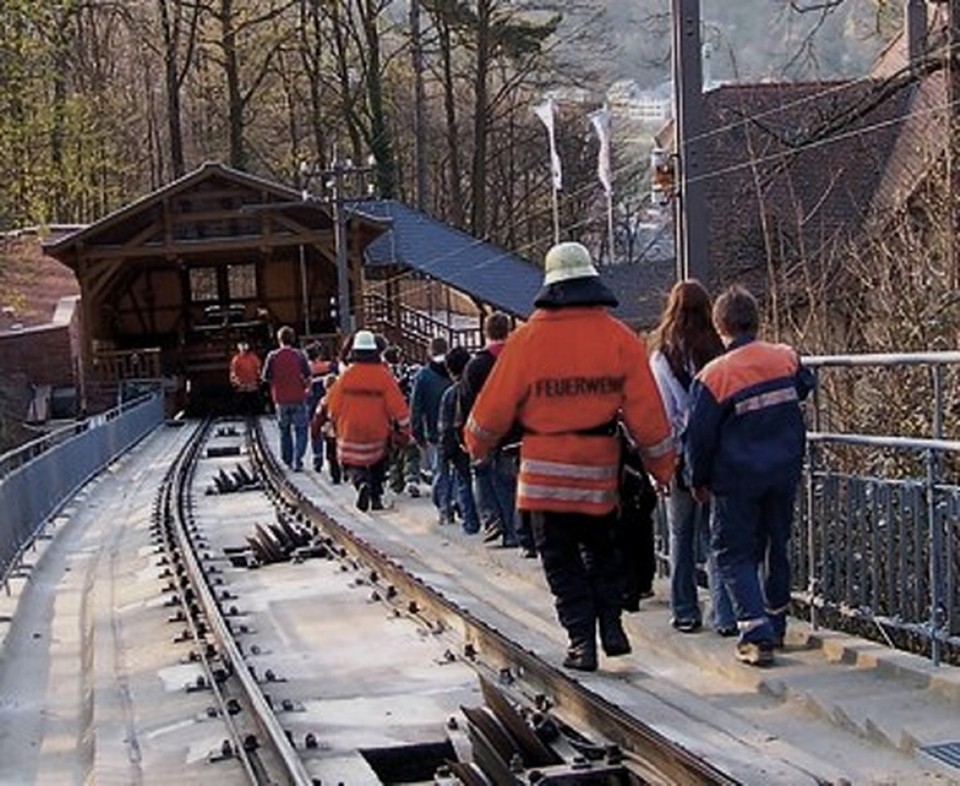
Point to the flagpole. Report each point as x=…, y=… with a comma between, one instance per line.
x=611, y=256
x=556, y=216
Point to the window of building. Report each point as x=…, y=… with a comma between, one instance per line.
x=203, y=285
x=242, y=282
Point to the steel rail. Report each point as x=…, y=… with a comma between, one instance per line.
x=664, y=759
x=261, y=713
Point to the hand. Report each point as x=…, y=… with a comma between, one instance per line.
x=662, y=489
x=701, y=494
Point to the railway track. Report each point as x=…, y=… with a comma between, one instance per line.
x=290, y=639
x=537, y=724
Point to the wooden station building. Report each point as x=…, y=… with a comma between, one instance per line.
x=170, y=283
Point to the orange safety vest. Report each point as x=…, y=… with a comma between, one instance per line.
x=566, y=376
x=366, y=404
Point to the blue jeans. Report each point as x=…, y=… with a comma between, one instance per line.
x=750, y=535
x=462, y=477
x=441, y=484
x=292, y=422
x=687, y=521
x=496, y=492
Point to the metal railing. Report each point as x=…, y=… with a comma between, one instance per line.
x=413, y=329
x=877, y=535
x=37, y=478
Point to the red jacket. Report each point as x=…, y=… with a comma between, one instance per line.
x=288, y=373
x=566, y=373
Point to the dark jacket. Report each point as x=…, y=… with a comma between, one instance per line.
x=746, y=431
x=428, y=387
x=450, y=424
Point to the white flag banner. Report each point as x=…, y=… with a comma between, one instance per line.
x=600, y=120
x=545, y=113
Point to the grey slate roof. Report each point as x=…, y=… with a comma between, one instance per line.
x=486, y=271
x=642, y=289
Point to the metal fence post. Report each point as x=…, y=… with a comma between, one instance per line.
x=936, y=547
x=812, y=583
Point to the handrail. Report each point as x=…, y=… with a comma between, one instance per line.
x=882, y=359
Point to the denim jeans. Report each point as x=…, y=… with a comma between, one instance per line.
x=462, y=479
x=688, y=521
x=292, y=422
x=441, y=484
x=496, y=491
x=750, y=536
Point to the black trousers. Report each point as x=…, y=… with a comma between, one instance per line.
x=581, y=567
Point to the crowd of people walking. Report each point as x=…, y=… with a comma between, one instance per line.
x=558, y=439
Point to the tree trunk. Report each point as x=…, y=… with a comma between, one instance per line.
x=478, y=174
x=172, y=82
x=231, y=69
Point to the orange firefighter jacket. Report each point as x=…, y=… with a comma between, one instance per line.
x=367, y=408
x=567, y=376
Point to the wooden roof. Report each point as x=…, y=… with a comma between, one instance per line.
x=212, y=209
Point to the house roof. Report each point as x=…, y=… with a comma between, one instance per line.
x=435, y=249
x=137, y=224
x=798, y=162
x=32, y=285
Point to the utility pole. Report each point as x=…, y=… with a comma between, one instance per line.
x=953, y=108
x=334, y=180
x=419, y=127
x=691, y=214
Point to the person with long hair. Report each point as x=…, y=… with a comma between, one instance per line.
x=682, y=344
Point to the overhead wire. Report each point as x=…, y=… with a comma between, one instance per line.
x=752, y=162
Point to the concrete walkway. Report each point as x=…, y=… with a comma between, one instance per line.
x=838, y=707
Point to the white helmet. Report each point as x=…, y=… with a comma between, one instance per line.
x=364, y=341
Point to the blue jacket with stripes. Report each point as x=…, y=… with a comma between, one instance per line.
x=746, y=431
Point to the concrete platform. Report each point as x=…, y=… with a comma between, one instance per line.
x=834, y=706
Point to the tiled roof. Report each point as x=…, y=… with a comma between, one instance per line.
x=488, y=272
x=642, y=289
x=798, y=164
x=31, y=284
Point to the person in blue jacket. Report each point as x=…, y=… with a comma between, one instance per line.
x=745, y=446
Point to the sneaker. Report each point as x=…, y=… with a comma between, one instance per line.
x=376, y=503
x=492, y=533
x=363, y=497
x=413, y=490
x=687, y=626
x=728, y=632
x=528, y=553
x=755, y=653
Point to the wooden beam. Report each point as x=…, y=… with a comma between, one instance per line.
x=175, y=248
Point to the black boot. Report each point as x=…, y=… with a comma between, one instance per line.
x=582, y=657
x=613, y=638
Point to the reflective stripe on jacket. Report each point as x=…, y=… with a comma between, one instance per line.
x=566, y=372
x=746, y=429
x=366, y=404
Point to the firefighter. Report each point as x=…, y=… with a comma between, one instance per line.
x=368, y=411
x=568, y=377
